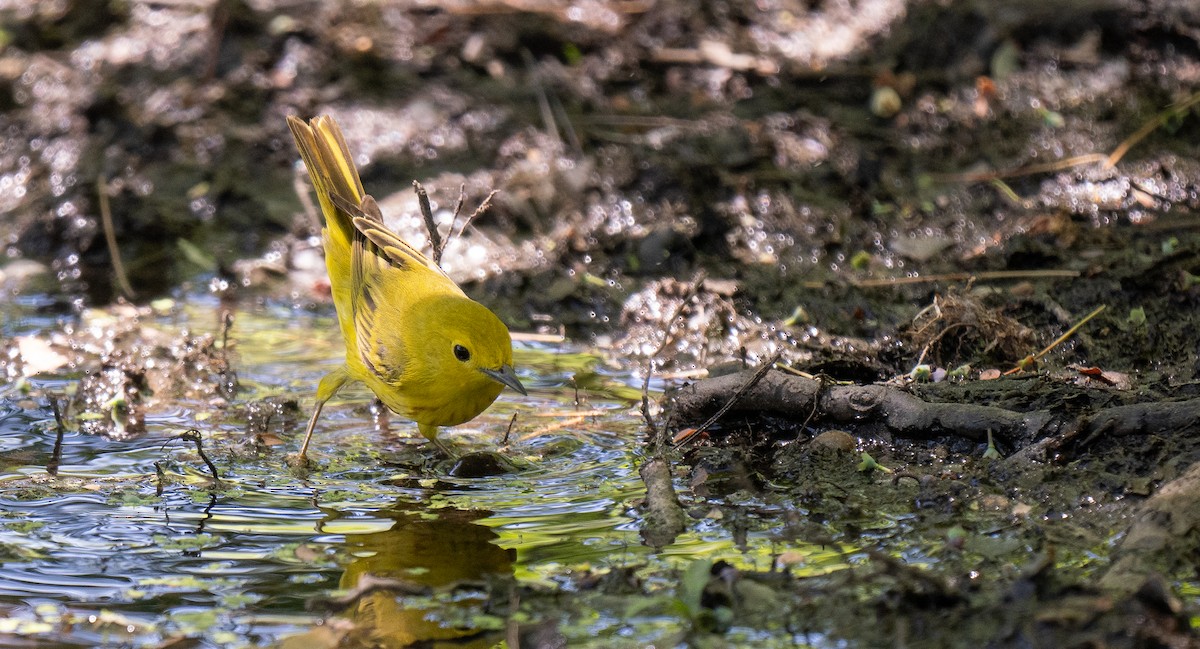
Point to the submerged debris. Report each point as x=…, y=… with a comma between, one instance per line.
x=123, y=367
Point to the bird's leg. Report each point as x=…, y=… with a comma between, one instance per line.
x=330, y=383
x=312, y=424
x=445, y=450
x=429, y=432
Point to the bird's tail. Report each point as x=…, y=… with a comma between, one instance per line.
x=333, y=173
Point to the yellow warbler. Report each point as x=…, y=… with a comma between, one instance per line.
x=420, y=344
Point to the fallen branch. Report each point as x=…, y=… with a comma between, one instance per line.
x=902, y=414
x=898, y=411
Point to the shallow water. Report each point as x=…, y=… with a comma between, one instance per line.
x=131, y=544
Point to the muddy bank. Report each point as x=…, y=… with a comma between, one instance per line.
x=627, y=143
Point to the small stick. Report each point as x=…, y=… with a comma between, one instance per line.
x=56, y=458
x=110, y=237
x=693, y=288
x=960, y=277
x=542, y=100
x=508, y=431
x=646, y=401
x=1033, y=358
x=822, y=383
x=483, y=207
x=193, y=435
x=1043, y=167
x=435, y=237
x=462, y=198
x=568, y=128
x=1149, y=127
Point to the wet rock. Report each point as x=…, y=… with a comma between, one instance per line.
x=480, y=464
x=834, y=440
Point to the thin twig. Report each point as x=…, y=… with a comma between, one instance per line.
x=1109, y=161
x=508, y=431
x=1044, y=167
x=693, y=288
x=822, y=382
x=568, y=129
x=646, y=402
x=1033, y=358
x=435, y=237
x=1141, y=186
x=458, y=205
x=746, y=387
x=960, y=277
x=483, y=207
x=56, y=458
x=193, y=435
x=110, y=237
x=548, y=123
x=1149, y=127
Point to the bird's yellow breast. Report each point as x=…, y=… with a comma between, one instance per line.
x=440, y=402
x=410, y=364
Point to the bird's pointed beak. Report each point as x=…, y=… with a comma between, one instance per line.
x=505, y=376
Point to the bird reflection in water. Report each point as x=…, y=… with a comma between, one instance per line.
x=440, y=554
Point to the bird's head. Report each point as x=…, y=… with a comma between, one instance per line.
x=473, y=349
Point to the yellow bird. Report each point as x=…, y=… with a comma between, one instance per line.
x=420, y=344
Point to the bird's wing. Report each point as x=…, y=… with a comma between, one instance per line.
x=380, y=241
x=379, y=260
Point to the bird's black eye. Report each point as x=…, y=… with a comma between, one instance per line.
x=462, y=353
